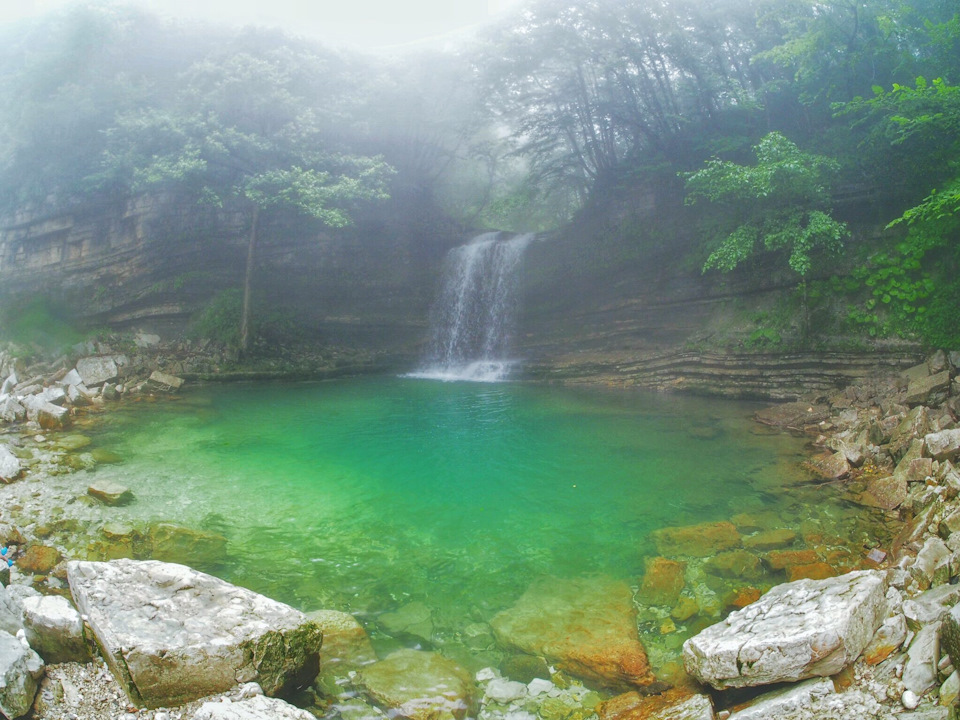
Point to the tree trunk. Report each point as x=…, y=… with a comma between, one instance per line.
x=247, y=282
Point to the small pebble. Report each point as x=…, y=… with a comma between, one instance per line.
x=909, y=700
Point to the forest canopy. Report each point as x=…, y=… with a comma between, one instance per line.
x=521, y=126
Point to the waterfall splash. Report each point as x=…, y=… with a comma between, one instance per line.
x=474, y=313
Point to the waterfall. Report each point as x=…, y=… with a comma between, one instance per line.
x=473, y=316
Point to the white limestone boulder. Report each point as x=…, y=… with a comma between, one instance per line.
x=172, y=634
x=95, y=371
x=20, y=671
x=9, y=465
x=799, y=630
x=254, y=708
x=54, y=629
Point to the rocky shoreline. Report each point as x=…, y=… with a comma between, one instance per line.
x=889, y=649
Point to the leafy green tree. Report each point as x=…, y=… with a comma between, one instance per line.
x=914, y=277
x=780, y=204
x=243, y=136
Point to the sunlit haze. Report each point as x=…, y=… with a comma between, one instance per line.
x=361, y=23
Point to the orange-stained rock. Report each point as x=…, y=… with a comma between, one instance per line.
x=736, y=564
x=587, y=627
x=781, y=559
x=813, y=571
x=745, y=596
x=663, y=581
x=685, y=608
x=701, y=540
x=667, y=706
x=39, y=559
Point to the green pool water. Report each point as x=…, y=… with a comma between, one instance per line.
x=369, y=495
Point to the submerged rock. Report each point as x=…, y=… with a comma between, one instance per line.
x=587, y=627
x=419, y=685
x=173, y=543
x=346, y=645
x=701, y=540
x=663, y=581
x=171, y=634
x=796, y=631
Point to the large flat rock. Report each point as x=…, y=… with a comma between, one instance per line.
x=588, y=627
x=95, y=371
x=798, y=630
x=172, y=634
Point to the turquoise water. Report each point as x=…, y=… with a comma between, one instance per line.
x=367, y=495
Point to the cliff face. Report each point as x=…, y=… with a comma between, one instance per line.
x=153, y=263
x=617, y=297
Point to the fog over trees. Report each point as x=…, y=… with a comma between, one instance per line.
x=523, y=123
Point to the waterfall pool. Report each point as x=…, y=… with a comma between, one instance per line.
x=379, y=494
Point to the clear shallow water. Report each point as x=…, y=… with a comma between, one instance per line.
x=367, y=495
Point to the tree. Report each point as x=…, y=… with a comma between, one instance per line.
x=780, y=204
x=243, y=134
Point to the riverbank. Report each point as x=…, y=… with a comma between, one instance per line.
x=861, y=447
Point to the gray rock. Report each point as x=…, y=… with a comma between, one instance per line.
x=163, y=381
x=10, y=612
x=11, y=410
x=71, y=378
x=20, y=671
x=110, y=493
x=798, y=630
x=784, y=702
x=920, y=669
x=887, y=640
x=931, y=606
x=171, y=634
x=419, y=685
x=932, y=566
x=54, y=629
x=9, y=465
x=950, y=634
x=930, y=390
x=928, y=713
x=146, y=340
x=413, y=619
x=254, y=708
x=95, y=371
x=48, y=415
x=950, y=690
x=943, y=445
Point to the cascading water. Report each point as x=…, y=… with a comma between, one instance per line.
x=473, y=316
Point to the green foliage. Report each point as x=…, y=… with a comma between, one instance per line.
x=39, y=322
x=777, y=205
x=220, y=319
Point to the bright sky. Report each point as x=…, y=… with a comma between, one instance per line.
x=364, y=23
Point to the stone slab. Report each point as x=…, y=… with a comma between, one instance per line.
x=798, y=630
x=172, y=634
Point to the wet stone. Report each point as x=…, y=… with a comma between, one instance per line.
x=587, y=627
x=419, y=685
x=735, y=564
x=662, y=582
x=701, y=540
x=770, y=540
x=813, y=571
x=782, y=559
x=39, y=559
